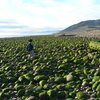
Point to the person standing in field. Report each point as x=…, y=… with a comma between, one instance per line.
x=30, y=49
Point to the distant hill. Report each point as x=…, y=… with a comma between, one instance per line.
x=89, y=28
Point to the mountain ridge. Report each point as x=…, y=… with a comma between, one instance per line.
x=83, y=28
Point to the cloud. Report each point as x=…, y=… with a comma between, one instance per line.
x=11, y=29
x=42, y=14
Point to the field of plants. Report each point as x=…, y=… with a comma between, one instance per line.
x=64, y=68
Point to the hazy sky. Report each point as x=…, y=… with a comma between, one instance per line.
x=47, y=13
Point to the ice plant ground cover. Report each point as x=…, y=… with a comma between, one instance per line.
x=64, y=68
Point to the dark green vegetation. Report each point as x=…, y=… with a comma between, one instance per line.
x=64, y=69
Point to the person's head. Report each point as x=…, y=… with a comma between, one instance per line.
x=30, y=40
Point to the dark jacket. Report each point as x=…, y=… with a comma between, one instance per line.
x=29, y=47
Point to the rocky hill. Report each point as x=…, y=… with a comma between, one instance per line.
x=87, y=28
